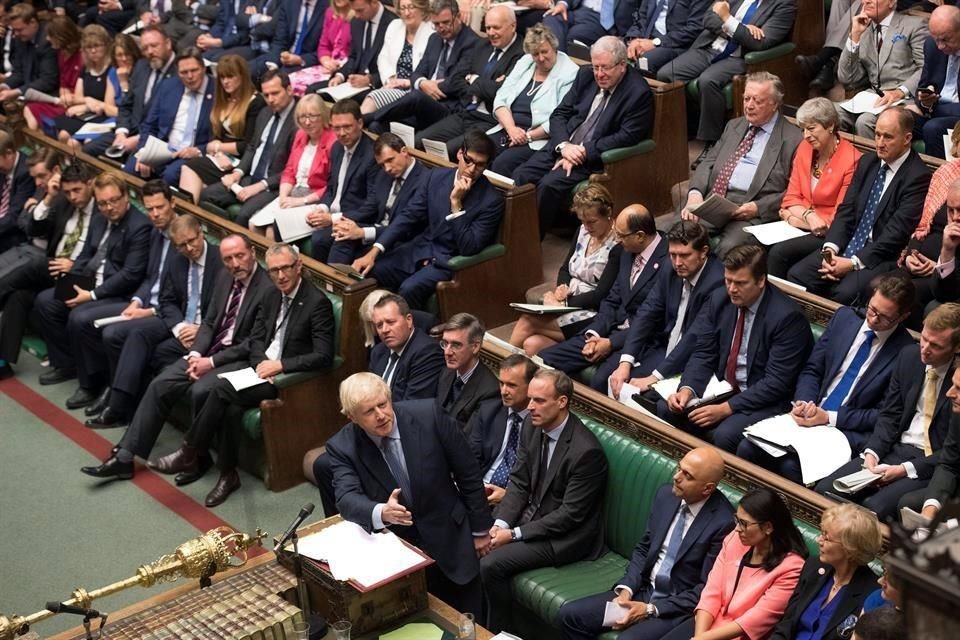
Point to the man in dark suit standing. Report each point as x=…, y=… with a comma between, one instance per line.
x=655, y=348
x=644, y=257
x=730, y=31
x=938, y=95
x=466, y=382
x=661, y=30
x=393, y=189
x=608, y=106
x=34, y=60
x=846, y=377
x=873, y=223
x=494, y=428
x=905, y=445
x=688, y=521
x=157, y=65
x=750, y=166
x=406, y=466
x=220, y=345
x=115, y=257
x=367, y=30
x=16, y=186
x=552, y=512
x=750, y=335
x=457, y=212
x=256, y=180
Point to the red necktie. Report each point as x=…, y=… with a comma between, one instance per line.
x=722, y=184
x=730, y=373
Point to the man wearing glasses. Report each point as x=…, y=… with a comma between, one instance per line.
x=466, y=382
x=456, y=212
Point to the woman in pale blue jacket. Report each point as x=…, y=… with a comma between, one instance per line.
x=528, y=96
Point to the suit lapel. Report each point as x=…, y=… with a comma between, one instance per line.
x=296, y=308
x=888, y=36
x=495, y=437
x=559, y=452
x=650, y=270
x=410, y=443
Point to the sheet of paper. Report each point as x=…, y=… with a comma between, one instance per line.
x=415, y=631
x=293, y=223
x=856, y=481
x=242, y=378
x=785, y=283
x=715, y=388
x=772, y=449
x=343, y=91
x=513, y=5
x=643, y=64
x=865, y=102
x=436, y=148
x=503, y=635
x=405, y=132
x=497, y=177
x=627, y=391
x=155, y=152
x=774, y=232
x=821, y=450
x=542, y=309
x=716, y=210
x=106, y=322
x=613, y=613
x=948, y=145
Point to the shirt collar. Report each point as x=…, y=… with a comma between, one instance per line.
x=886, y=21
x=647, y=253
x=509, y=44
x=246, y=283
x=394, y=433
x=554, y=434
x=768, y=126
x=408, y=171
x=756, y=305
x=202, y=260
x=296, y=290
x=465, y=378
x=404, y=347
x=695, y=507
x=523, y=414
x=895, y=165
x=88, y=210
x=941, y=371
x=375, y=20
x=695, y=278
x=881, y=335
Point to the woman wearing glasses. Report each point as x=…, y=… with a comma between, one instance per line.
x=833, y=586
x=758, y=567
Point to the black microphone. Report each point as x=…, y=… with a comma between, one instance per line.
x=305, y=511
x=60, y=607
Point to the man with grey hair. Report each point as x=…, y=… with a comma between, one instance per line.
x=749, y=166
x=608, y=106
x=937, y=99
x=407, y=467
x=466, y=382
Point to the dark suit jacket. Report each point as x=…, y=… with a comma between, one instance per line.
x=22, y=188
x=227, y=28
x=154, y=273
x=900, y=405
x=773, y=172
x=285, y=31
x=308, y=341
x=485, y=431
x=857, y=417
x=52, y=226
x=698, y=551
x=568, y=510
x=780, y=343
x=815, y=574
x=622, y=14
x=653, y=322
x=684, y=22
x=174, y=292
x=448, y=501
x=946, y=477
x=899, y=209
x=627, y=119
x=484, y=88
x=934, y=72
x=359, y=179
x=160, y=119
x=623, y=300
x=775, y=17
x=278, y=153
x=435, y=237
x=373, y=210
x=462, y=49
x=365, y=60
x=134, y=108
x=126, y=259
x=418, y=369
x=482, y=385
x=35, y=65
x=239, y=349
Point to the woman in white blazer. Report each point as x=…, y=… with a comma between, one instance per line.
x=528, y=96
x=403, y=46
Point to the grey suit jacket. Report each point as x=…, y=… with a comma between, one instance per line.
x=772, y=175
x=900, y=61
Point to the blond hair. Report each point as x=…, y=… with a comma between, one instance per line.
x=857, y=531
x=359, y=388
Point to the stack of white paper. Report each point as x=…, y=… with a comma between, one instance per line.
x=715, y=389
x=436, y=149
x=155, y=152
x=822, y=450
x=774, y=232
x=627, y=391
x=865, y=102
x=405, y=132
x=856, y=481
x=614, y=613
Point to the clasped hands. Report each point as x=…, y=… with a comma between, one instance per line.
x=571, y=156
x=808, y=414
x=836, y=267
x=705, y=416
x=888, y=472
x=636, y=611
x=596, y=348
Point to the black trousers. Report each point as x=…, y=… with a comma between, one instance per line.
x=222, y=197
x=498, y=567
x=852, y=287
x=553, y=185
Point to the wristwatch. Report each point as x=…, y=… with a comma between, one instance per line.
x=651, y=610
x=513, y=534
x=656, y=42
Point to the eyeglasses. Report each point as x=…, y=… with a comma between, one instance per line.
x=188, y=242
x=742, y=525
x=286, y=269
x=471, y=161
x=406, y=8
x=885, y=319
x=112, y=203
x=454, y=346
x=309, y=116
x=605, y=68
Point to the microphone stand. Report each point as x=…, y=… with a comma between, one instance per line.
x=318, y=626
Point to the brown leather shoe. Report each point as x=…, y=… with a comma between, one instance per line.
x=183, y=459
x=228, y=482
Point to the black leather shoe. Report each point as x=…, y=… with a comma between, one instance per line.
x=190, y=476
x=108, y=419
x=6, y=371
x=228, y=482
x=111, y=469
x=825, y=78
x=99, y=404
x=82, y=398
x=56, y=376
x=808, y=65
x=181, y=460
x=703, y=154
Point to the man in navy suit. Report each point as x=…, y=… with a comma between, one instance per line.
x=608, y=106
x=938, y=96
x=367, y=31
x=393, y=189
x=227, y=35
x=33, y=60
x=181, y=119
x=16, y=186
x=845, y=380
x=455, y=212
x=493, y=431
x=668, y=568
x=915, y=416
x=662, y=30
x=876, y=218
x=295, y=37
x=644, y=256
x=655, y=347
x=436, y=84
x=577, y=20
x=158, y=64
x=406, y=466
x=115, y=256
x=750, y=335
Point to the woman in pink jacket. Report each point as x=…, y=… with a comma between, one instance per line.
x=751, y=582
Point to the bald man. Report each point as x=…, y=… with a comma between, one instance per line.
x=659, y=590
x=938, y=91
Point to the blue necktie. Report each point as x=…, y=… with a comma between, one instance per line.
x=502, y=473
x=298, y=47
x=394, y=461
x=731, y=43
x=661, y=583
x=865, y=226
x=606, y=14
x=840, y=392
x=652, y=18
x=193, y=300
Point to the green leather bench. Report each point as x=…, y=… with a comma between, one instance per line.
x=753, y=60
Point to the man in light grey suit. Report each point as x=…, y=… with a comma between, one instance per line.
x=883, y=54
x=749, y=166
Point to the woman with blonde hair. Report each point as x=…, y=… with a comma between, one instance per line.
x=236, y=105
x=403, y=46
x=94, y=97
